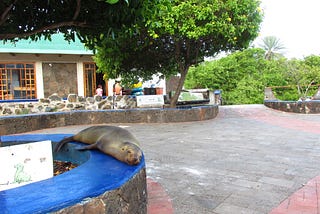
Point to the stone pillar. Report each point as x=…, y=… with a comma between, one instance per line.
x=268, y=94
x=317, y=95
x=211, y=97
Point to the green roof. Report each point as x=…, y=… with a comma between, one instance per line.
x=57, y=45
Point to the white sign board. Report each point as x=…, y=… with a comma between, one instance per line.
x=25, y=163
x=150, y=101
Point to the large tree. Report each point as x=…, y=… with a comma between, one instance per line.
x=177, y=34
x=88, y=18
x=137, y=38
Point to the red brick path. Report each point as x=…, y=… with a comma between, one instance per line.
x=158, y=200
x=305, y=201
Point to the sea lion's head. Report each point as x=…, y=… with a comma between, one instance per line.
x=132, y=153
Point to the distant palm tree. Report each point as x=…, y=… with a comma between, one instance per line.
x=272, y=46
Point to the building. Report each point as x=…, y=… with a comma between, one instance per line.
x=38, y=69
x=33, y=70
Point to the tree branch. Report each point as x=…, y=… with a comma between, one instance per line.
x=76, y=13
x=40, y=30
x=5, y=13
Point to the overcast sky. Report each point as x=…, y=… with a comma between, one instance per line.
x=295, y=22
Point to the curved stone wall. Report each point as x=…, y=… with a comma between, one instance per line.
x=304, y=107
x=30, y=122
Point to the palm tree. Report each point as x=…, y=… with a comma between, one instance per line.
x=273, y=46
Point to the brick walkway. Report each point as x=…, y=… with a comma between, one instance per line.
x=158, y=200
x=248, y=160
x=305, y=201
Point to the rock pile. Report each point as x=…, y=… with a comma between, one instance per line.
x=54, y=103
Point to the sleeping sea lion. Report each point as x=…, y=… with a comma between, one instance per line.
x=111, y=140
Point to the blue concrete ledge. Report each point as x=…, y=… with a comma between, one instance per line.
x=19, y=100
x=98, y=174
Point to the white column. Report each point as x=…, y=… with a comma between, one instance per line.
x=39, y=80
x=80, y=78
x=111, y=82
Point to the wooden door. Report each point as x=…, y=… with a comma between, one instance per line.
x=89, y=79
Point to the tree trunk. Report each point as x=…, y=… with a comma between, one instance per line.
x=174, y=99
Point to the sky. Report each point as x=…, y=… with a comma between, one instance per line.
x=295, y=22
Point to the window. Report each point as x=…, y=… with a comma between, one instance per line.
x=89, y=79
x=17, y=81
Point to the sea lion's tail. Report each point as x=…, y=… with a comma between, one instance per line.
x=62, y=143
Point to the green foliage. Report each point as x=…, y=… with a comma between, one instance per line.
x=112, y=1
x=248, y=91
x=84, y=18
x=239, y=75
x=243, y=75
x=291, y=92
x=304, y=73
x=274, y=72
x=286, y=93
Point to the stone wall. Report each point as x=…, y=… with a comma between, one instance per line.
x=301, y=106
x=55, y=103
x=304, y=107
x=30, y=122
x=60, y=77
x=129, y=198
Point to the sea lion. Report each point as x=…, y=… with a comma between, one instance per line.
x=111, y=140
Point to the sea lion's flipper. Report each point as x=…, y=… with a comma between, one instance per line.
x=62, y=143
x=92, y=146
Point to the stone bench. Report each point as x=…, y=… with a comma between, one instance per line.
x=101, y=184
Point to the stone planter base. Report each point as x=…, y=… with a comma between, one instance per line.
x=101, y=184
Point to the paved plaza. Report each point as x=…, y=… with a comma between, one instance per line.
x=248, y=160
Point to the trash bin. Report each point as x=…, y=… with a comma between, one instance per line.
x=149, y=91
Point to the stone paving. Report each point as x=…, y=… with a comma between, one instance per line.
x=249, y=159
